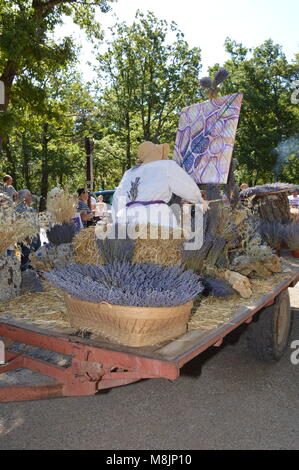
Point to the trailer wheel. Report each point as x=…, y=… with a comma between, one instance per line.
x=269, y=333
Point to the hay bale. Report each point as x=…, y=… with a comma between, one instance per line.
x=86, y=248
x=61, y=205
x=158, y=245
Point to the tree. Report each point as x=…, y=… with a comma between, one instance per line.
x=27, y=57
x=46, y=147
x=147, y=80
x=267, y=117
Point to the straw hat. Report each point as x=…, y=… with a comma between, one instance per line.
x=149, y=152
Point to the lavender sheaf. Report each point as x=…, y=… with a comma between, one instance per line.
x=266, y=188
x=217, y=288
x=272, y=233
x=291, y=236
x=125, y=283
x=116, y=249
x=62, y=234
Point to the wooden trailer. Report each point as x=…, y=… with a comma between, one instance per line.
x=76, y=366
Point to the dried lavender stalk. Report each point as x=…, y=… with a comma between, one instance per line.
x=271, y=233
x=266, y=188
x=217, y=287
x=61, y=234
x=291, y=235
x=125, y=283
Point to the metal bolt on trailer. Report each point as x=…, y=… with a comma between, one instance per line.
x=93, y=365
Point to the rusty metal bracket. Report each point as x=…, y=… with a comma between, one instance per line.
x=87, y=370
x=92, y=367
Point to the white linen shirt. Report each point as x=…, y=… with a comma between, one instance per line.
x=159, y=180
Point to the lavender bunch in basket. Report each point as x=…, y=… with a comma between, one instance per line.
x=125, y=283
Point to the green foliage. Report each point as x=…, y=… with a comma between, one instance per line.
x=267, y=117
x=146, y=76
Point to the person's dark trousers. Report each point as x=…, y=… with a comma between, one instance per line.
x=26, y=250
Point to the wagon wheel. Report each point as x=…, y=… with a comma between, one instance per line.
x=269, y=333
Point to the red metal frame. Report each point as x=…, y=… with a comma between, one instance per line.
x=96, y=366
x=92, y=368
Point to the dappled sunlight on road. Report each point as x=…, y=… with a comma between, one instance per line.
x=7, y=425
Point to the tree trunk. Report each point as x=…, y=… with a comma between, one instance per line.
x=7, y=77
x=89, y=145
x=11, y=162
x=25, y=162
x=45, y=170
x=273, y=207
x=128, y=143
x=231, y=189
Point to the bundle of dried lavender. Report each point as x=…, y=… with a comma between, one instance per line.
x=291, y=236
x=125, y=283
x=272, y=233
x=267, y=188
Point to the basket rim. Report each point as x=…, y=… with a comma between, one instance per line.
x=129, y=307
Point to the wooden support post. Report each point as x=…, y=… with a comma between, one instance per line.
x=89, y=146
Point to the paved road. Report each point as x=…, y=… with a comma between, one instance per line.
x=224, y=399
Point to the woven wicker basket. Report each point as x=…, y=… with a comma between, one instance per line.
x=132, y=326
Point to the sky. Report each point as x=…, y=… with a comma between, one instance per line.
x=206, y=24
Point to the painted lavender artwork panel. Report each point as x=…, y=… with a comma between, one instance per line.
x=206, y=137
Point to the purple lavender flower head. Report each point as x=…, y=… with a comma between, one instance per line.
x=126, y=283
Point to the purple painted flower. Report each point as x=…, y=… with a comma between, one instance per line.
x=188, y=161
x=199, y=144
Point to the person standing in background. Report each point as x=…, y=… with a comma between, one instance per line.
x=24, y=201
x=8, y=188
x=23, y=207
x=294, y=199
x=294, y=205
x=82, y=206
x=93, y=203
x=101, y=207
x=243, y=187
